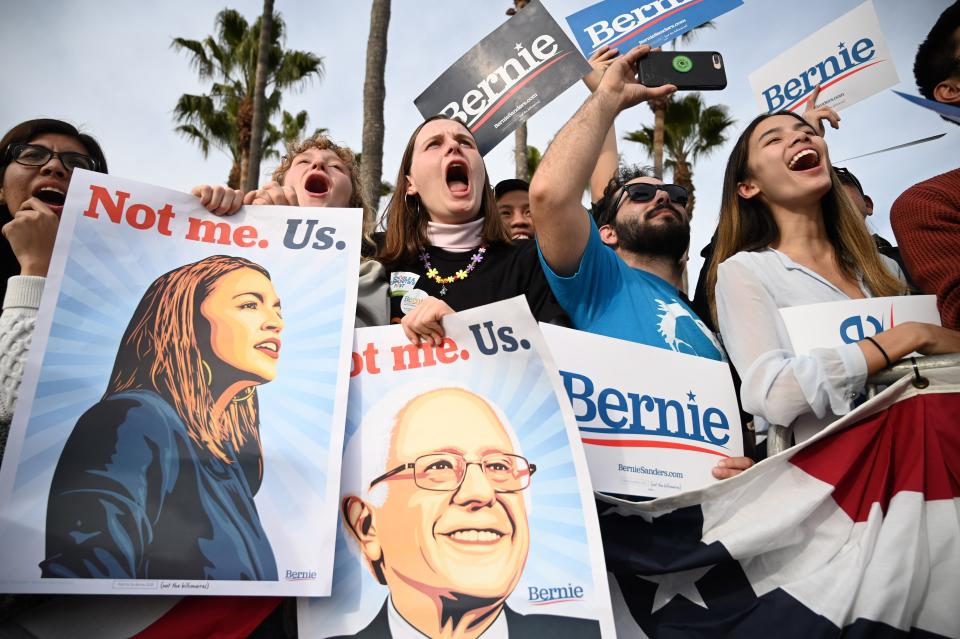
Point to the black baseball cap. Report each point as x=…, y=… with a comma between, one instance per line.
x=505, y=186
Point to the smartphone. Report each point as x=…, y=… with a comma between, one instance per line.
x=697, y=70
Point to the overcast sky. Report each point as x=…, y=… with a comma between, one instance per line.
x=107, y=66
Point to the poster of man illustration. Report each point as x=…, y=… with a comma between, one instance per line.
x=465, y=503
x=180, y=421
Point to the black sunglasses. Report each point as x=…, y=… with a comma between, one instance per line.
x=36, y=155
x=643, y=192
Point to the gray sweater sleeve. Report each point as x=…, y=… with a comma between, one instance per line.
x=373, y=300
x=17, y=322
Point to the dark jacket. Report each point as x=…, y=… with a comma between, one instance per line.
x=552, y=626
x=134, y=498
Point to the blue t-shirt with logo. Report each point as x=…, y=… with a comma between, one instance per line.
x=607, y=297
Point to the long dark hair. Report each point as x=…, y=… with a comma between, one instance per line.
x=748, y=225
x=407, y=217
x=160, y=351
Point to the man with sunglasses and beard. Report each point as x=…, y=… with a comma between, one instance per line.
x=618, y=274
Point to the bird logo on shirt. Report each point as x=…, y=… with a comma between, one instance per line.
x=670, y=313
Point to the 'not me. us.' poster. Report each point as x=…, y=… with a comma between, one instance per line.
x=180, y=421
x=465, y=505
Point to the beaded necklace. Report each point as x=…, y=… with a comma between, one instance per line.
x=462, y=274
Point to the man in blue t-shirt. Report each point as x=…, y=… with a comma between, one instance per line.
x=618, y=275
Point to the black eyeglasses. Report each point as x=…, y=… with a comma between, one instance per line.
x=643, y=192
x=445, y=471
x=36, y=155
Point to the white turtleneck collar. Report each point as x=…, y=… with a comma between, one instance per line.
x=456, y=237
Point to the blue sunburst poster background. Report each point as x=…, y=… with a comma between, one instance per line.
x=106, y=267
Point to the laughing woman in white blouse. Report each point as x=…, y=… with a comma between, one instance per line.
x=789, y=236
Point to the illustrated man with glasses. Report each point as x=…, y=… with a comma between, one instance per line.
x=442, y=522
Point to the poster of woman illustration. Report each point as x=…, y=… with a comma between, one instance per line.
x=465, y=504
x=181, y=417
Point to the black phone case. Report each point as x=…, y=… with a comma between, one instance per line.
x=684, y=69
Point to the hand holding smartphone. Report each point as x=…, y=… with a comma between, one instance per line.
x=687, y=70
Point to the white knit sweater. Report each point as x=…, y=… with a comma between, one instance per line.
x=17, y=322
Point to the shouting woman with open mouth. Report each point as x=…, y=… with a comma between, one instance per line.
x=446, y=249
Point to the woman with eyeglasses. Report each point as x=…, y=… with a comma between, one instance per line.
x=788, y=235
x=37, y=158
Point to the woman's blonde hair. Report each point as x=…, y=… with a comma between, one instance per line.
x=748, y=225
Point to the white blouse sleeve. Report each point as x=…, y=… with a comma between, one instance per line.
x=778, y=385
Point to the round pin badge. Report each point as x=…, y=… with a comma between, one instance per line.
x=682, y=63
x=411, y=300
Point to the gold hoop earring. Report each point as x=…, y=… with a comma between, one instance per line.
x=206, y=373
x=245, y=396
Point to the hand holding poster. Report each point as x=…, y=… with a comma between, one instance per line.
x=848, y=58
x=510, y=75
x=836, y=323
x=649, y=430
x=177, y=431
x=465, y=502
x=624, y=24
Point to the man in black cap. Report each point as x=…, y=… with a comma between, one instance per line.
x=513, y=202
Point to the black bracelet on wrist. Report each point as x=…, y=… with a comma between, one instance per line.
x=880, y=348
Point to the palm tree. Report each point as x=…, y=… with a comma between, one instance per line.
x=692, y=130
x=520, y=157
x=374, y=94
x=259, y=98
x=223, y=118
x=385, y=187
x=533, y=160
x=659, y=105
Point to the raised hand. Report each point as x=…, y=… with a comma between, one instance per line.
x=422, y=324
x=272, y=194
x=31, y=234
x=219, y=200
x=620, y=81
x=599, y=61
x=816, y=115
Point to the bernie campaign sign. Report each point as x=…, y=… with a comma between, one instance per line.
x=831, y=324
x=510, y=75
x=651, y=431
x=848, y=59
x=466, y=507
x=627, y=23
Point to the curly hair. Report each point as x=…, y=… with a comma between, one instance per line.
x=323, y=143
x=602, y=208
x=938, y=57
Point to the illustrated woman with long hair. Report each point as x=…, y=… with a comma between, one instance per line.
x=157, y=480
x=788, y=235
